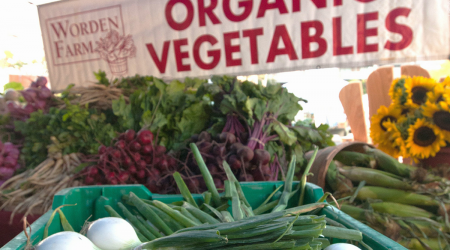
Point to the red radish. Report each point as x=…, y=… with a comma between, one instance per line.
x=101, y=149
x=41, y=81
x=163, y=164
x=141, y=174
x=136, y=157
x=127, y=161
x=123, y=176
x=29, y=108
x=132, y=169
x=113, y=181
x=159, y=150
x=156, y=161
x=92, y=171
x=121, y=144
x=40, y=104
x=98, y=183
x=129, y=135
x=6, y=173
x=145, y=137
x=89, y=180
x=141, y=164
x=44, y=93
x=148, y=159
x=135, y=146
x=147, y=149
x=10, y=162
x=116, y=154
x=155, y=173
x=110, y=175
x=172, y=162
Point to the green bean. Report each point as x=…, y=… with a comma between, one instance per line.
x=135, y=222
x=206, y=174
x=184, y=189
x=189, y=215
x=150, y=228
x=305, y=175
x=175, y=214
x=282, y=204
x=150, y=215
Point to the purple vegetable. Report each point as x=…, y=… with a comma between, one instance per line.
x=44, y=93
x=6, y=173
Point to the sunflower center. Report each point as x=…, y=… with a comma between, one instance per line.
x=440, y=99
x=424, y=136
x=385, y=119
x=442, y=120
x=405, y=111
x=418, y=94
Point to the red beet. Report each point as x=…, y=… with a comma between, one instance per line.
x=212, y=169
x=92, y=171
x=145, y=137
x=136, y=157
x=204, y=136
x=245, y=153
x=219, y=150
x=151, y=185
x=129, y=135
x=126, y=161
x=135, y=146
x=155, y=173
x=113, y=181
x=261, y=156
x=110, y=175
x=172, y=162
x=163, y=164
x=234, y=162
x=218, y=183
x=193, y=184
x=249, y=177
x=227, y=137
x=235, y=147
x=116, y=154
x=101, y=149
x=121, y=144
x=147, y=149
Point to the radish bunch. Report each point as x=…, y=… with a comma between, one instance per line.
x=9, y=155
x=247, y=164
x=134, y=158
x=37, y=97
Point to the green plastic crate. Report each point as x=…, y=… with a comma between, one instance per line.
x=91, y=200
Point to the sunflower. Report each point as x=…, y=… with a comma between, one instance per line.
x=417, y=89
x=395, y=137
x=396, y=89
x=437, y=95
x=446, y=82
x=384, y=114
x=424, y=139
x=440, y=114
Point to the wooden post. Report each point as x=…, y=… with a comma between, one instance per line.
x=351, y=99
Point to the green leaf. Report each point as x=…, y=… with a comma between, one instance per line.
x=286, y=135
x=228, y=105
x=13, y=85
x=159, y=121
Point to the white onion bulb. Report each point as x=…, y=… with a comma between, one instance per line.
x=66, y=241
x=342, y=246
x=112, y=233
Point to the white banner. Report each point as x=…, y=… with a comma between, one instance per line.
x=199, y=38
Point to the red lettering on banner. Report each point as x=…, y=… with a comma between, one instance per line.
x=215, y=54
x=252, y=34
x=204, y=11
x=265, y=5
x=160, y=64
x=102, y=24
x=296, y=6
x=230, y=49
x=189, y=17
x=61, y=28
x=307, y=39
x=281, y=33
x=337, y=39
x=365, y=1
x=246, y=4
x=84, y=30
x=58, y=48
x=180, y=55
x=363, y=32
x=405, y=31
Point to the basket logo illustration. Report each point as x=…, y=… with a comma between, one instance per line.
x=116, y=49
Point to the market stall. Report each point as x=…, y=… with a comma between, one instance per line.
x=163, y=139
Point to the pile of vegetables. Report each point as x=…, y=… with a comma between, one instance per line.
x=33, y=190
x=210, y=225
x=406, y=203
x=9, y=156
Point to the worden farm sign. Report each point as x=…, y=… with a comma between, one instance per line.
x=200, y=38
